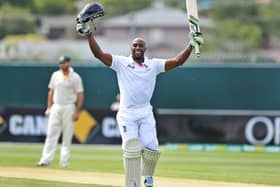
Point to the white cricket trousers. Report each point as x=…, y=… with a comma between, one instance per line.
x=138, y=123
x=60, y=120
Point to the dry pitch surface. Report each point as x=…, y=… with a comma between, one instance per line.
x=106, y=178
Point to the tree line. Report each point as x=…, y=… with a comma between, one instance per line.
x=237, y=25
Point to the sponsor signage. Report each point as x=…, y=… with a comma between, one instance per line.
x=219, y=129
x=99, y=126
x=30, y=125
x=271, y=130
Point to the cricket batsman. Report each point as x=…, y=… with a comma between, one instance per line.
x=136, y=76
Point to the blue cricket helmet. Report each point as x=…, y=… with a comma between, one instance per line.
x=90, y=11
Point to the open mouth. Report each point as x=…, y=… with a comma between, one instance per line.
x=138, y=52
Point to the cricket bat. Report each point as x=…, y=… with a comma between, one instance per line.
x=192, y=13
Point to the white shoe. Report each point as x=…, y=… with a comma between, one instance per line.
x=64, y=165
x=42, y=164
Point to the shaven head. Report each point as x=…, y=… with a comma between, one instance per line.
x=138, y=39
x=138, y=48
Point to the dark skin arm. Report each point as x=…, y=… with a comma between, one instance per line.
x=178, y=60
x=104, y=57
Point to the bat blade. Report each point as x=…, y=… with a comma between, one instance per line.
x=192, y=15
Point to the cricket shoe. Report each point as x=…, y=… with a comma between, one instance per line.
x=64, y=165
x=148, y=182
x=42, y=164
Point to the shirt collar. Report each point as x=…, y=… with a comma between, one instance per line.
x=132, y=61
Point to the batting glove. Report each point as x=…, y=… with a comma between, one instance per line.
x=196, y=38
x=85, y=29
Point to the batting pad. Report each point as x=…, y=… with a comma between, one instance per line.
x=149, y=161
x=132, y=162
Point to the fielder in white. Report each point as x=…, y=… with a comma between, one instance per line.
x=136, y=77
x=65, y=99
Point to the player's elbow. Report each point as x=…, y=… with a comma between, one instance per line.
x=179, y=61
x=104, y=58
x=98, y=55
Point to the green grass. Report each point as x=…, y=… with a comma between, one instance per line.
x=258, y=168
x=14, y=182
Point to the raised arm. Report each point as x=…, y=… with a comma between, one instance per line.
x=106, y=58
x=174, y=62
x=180, y=59
x=86, y=29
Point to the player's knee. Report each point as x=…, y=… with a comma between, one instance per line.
x=132, y=148
x=149, y=158
x=149, y=154
x=151, y=145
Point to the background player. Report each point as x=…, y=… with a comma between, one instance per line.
x=136, y=77
x=65, y=99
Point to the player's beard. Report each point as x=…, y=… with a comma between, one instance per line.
x=65, y=68
x=138, y=56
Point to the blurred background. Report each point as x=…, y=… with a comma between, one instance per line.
x=235, y=31
x=230, y=95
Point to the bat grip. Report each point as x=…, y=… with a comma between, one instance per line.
x=197, y=51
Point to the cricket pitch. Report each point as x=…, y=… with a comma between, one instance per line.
x=64, y=175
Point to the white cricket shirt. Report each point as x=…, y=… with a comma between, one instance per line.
x=136, y=82
x=65, y=88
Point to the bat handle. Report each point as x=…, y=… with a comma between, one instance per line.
x=197, y=50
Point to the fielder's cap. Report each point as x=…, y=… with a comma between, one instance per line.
x=63, y=59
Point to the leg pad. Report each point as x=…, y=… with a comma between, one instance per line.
x=149, y=161
x=132, y=162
